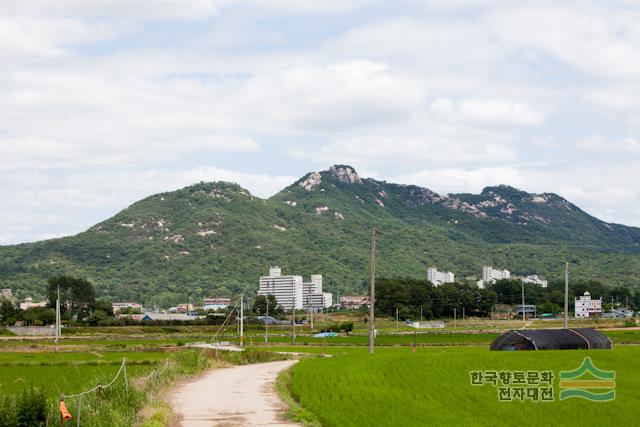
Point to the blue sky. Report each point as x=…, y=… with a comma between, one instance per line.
x=108, y=101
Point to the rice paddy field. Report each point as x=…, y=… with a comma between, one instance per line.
x=69, y=372
x=432, y=386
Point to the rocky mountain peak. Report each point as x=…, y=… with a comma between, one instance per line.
x=345, y=174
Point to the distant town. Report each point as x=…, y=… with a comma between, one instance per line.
x=290, y=292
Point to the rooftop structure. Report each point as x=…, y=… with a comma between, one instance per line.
x=439, y=277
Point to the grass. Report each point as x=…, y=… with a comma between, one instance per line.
x=69, y=373
x=432, y=387
x=295, y=411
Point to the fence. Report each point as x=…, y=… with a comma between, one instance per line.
x=65, y=415
x=33, y=331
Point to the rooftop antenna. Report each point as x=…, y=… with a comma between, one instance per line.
x=566, y=296
x=372, y=295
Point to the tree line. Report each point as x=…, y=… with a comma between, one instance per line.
x=413, y=296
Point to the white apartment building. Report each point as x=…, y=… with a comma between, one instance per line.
x=491, y=275
x=312, y=296
x=439, y=277
x=587, y=307
x=327, y=299
x=286, y=289
x=535, y=280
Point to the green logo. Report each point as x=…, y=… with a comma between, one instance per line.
x=597, y=386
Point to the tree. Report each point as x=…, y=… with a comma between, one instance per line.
x=260, y=305
x=77, y=295
x=38, y=316
x=7, y=313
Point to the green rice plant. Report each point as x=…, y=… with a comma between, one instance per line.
x=432, y=386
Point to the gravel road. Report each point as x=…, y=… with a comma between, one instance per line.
x=237, y=396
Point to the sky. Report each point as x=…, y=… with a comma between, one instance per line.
x=104, y=102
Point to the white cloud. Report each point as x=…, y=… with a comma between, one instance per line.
x=331, y=97
x=487, y=111
x=130, y=90
x=603, y=146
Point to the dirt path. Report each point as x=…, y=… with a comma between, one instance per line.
x=238, y=396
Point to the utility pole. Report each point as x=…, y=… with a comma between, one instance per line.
x=566, y=296
x=396, y=319
x=58, y=329
x=523, y=316
x=455, y=317
x=463, y=313
x=372, y=295
x=293, y=320
x=242, y=320
x=266, y=323
x=421, y=313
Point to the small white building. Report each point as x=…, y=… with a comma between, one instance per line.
x=6, y=293
x=437, y=278
x=587, y=307
x=535, y=280
x=491, y=275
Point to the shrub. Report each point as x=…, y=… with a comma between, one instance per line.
x=8, y=412
x=31, y=409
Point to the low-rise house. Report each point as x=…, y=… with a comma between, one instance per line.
x=184, y=308
x=222, y=302
x=117, y=306
x=28, y=303
x=354, y=301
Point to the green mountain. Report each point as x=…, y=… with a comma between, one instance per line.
x=216, y=239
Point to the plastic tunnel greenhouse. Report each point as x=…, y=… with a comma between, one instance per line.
x=551, y=339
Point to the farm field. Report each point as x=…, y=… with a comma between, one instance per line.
x=432, y=387
x=68, y=373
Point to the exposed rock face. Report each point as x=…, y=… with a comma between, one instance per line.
x=345, y=174
x=321, y=209
x=176, y=238
x=338, y=215
x=457, y=204
x=279, y=227
x=290, y=202
x=312, y=182
x=421, y=196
